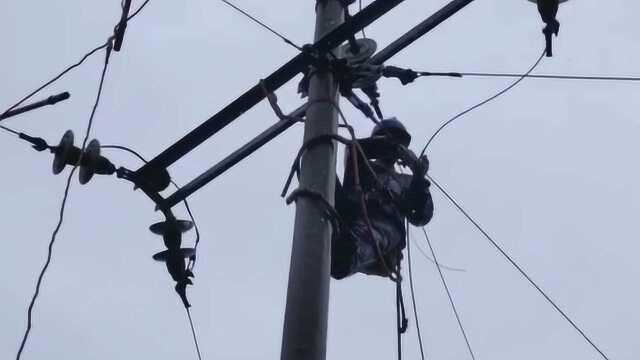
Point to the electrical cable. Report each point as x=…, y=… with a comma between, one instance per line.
x=10, y=130
x=449, y=295
x=442, y=266
x=186, y=203
x=64, y=72
x=413, y=296
x=518, y=267
x=447, y=123
x=46, y=264
x=561, y=77
x=71, y=67
x=97, y=102
x=63, y=205
x=286, y=40
x=135, y=13
x=424, y=253
x=193, y=332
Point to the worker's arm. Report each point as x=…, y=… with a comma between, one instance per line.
x=416, y=196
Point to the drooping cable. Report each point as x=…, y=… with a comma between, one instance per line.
x=186, y=203
x=63, y=205
x=560, y=77
x=502, y=92
x=413, y=296
x=450, y=296
x=193, y=332
x=515, y=265
x=46, y=265
x=265, y=26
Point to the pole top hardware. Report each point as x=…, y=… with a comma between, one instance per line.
x=90, y=161
x=364, y=51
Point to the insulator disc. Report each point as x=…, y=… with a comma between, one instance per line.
x=89, y=160
x=164, y=255
x=368, y=47
x=63, y=152
x=161, y=228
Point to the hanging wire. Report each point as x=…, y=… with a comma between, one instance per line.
x=71, y=67
x=518, y=267
x=427, y=257
x=46, y=264
x=186, y=203
x=62, y=206
x=442, y=266
x=193, y=332
x=135, y=13
x=561, y=77
x=447, y=123
x=267, y=27
x=413, y=296
x=450, y=296
x=10, y=130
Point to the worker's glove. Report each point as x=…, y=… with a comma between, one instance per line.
x=408, y=158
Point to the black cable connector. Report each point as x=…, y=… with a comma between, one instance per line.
x=51, y=100
x=39, y=144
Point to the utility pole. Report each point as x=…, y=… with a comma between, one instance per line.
x=306, y=315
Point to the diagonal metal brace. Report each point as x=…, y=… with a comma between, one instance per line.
x=254, y=95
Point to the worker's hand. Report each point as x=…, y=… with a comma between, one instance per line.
x=406, y=156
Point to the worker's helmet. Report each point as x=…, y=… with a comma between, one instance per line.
x=394, y=128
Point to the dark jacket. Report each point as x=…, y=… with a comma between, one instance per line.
x=405, y=197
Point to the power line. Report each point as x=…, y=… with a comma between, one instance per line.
x=449, y=295
x=424, y=254
x=413, y=296
x=524, y=274
x=447, y=123
x=46, y=264
x=561, y=77
x=62, y=207
x=124, y=148
x=135, y=13
x=193, y=332
x=186, y=203
x=10, y=130
x=64, y=72
x=257, y=21
x=97, y=102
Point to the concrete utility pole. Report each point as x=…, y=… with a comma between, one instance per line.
x=305, y=323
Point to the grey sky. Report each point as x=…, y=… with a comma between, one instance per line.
x=549, y=170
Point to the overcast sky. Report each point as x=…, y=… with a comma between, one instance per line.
x=550, y=170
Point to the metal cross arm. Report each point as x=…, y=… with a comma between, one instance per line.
x=278, y=128
x=234, y=158
x=253, y=96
